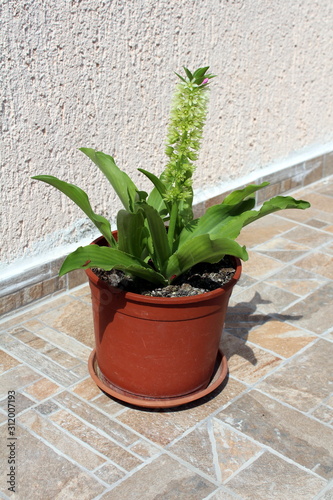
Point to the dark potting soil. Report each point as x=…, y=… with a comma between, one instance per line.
x=201, y=278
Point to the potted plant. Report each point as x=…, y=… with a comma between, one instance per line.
x=151, y=350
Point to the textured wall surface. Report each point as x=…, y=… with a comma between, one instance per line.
x=100, y=74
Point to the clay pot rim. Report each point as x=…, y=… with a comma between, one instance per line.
x=136, y=297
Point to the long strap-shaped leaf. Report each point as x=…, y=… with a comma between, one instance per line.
x=224, y=217
x=161, y=248
x=222, y=220
x=156, y=199
x=109, y=258
x=226, y=220
x=274, y=205
x=203, y=248
x=240, y=194
x=132, y=232
x=81, y=199
x=121, y=182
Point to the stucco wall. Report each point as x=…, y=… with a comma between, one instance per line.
x=100, y=74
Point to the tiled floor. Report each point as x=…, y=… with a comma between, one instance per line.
x=268, y=434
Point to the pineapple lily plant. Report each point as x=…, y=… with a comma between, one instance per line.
x=157, y=238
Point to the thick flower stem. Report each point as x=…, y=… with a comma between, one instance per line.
x=172, y=224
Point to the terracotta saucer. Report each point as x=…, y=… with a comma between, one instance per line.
x=220, y=373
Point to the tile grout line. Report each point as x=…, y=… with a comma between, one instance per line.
x=26, y=344
x=104, y=433
x=248, y=463
x=53, y=364
x=213, y=444
x=64, y=455
x=271, y=450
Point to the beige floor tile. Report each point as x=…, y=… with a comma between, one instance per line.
x=280, y=337
x=296, y=280
x=145, y=449
x=258, y=266
x=329, y=401
x=97, y=419
x=81, y=292
x=48, y=407
x=263, y=298
x=215, y=449
x=42, y=389
x=327, y=495
x=247, y=363
x=315, y=312
x=307, y=236
x=33, y=325
x=289, y=432
x=17, y=378
x=23, y=335
x=328, y=249
x=87, y=389
x=321, y=202
x=162, y=427
x=81, y=370
x=71, y=345
x=282, y=249
x=107, y=404
x=61, y=440
x=223, y=494
x=322, y=216
x=306, y=380
x=7, y=362
x=302, y=216
x=95, y=440
x=318, y=263
x=265, y=229
x=22, y=402
x=324, y=413
x=270, y=477
x=317, y=223
x=163, y=478
x=39, y=344
x=34, y=312
x=74, y=319
x=46, y=474
x=109, y=473
x=3, y=418
x=35, y=359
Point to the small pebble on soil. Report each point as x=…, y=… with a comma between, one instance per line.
x=201, y=278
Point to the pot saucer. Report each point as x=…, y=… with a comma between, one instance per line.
x=220, y=373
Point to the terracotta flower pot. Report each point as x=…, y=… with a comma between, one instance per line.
x=156, y=348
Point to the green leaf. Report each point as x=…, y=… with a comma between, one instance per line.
x=161, y=249
x=188, y=73
x=160, y=186
x=121, y=182
x=131, y=232
x=203, y=248
x=200, y=72
x=274, y=205
x=240, y=194
x=81, y=199
x=109, y=258
x=220, y=220
x=228, y=218
x=183, y=79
